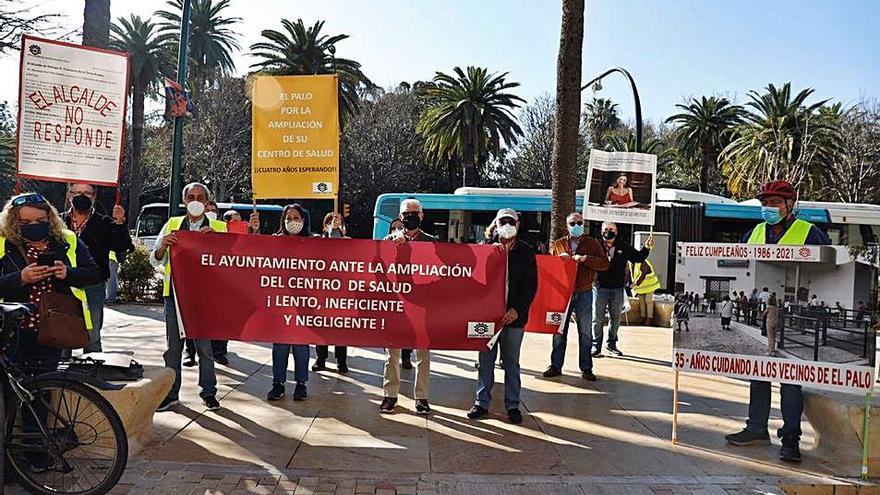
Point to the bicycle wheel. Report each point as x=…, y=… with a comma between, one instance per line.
x=69, y=440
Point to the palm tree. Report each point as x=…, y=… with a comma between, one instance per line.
x=96, y=23
x=600, y=118
x=211, y=39
x=149, y=60
x=781, y=137
x=705, y=129
x=302, y=51
x=469, y=115
x=651, y=146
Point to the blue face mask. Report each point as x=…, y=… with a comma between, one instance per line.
x=576, y=230
x=771, y=214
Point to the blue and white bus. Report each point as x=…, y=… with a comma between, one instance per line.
x=154, y=215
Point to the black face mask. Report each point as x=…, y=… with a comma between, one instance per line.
x=411, y=221
x=609, y=234
x=35, y=232
x=82, y=203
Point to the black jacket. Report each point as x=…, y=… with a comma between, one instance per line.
x=615, y=276
x=522, y=281
x=102, y=235
x=86, y=272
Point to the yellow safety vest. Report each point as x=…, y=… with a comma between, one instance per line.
x=650, y=284
x=71, y=240
x=173, y=225
x=796, y=235
x=113, y=256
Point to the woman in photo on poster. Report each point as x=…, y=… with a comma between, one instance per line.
x=619, y=193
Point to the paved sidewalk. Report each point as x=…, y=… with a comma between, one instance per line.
x=607, y=437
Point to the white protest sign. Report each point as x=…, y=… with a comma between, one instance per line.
x=620, y=187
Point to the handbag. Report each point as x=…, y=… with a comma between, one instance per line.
x=62, y=325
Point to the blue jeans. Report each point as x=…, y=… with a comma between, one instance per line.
x=791, y=404
x=510, y=342
x=612, y=301
x=300, y=363
x=582, y=306
x=174, y=353
x=96, y=295
x=113, y=283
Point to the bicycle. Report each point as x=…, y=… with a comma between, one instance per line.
x=61, y=435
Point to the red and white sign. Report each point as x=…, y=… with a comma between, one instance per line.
x=306, y=290
x=815, y=374
x=556, y=278
x=71, y=117
x=759, y=252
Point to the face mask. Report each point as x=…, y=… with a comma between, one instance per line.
x=771, y=214
x=294, y=227
x=576, y=230
x=81, y=203
x=212, y=215
x=195, y=209
x=609, y=234
x=35, y=232
x=411, y=221
x=506, y=231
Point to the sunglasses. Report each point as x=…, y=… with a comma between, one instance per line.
x=580, y=222
x=507, y=221
x=29, y=199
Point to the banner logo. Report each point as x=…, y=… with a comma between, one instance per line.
x=480, y=330
x=554, y=318
x=322, y=187
x=35, y=49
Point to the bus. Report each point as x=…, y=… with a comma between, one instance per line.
x=154, y=215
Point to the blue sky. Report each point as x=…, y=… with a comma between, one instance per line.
x=674, y=48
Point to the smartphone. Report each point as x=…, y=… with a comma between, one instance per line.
x=46, y=259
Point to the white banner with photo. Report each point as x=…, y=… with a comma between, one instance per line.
x=620, y=187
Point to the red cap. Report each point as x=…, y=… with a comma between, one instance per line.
x=781, y=188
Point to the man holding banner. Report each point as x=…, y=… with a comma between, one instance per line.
x=588, y=254
x=781, y=226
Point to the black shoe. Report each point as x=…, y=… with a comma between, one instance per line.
x=342, y=368
x=552, y=371
x=515, y=416
x=221, y=359
x=477, y=412
x=406, y=364
x=588, y=376
x=300, y=392
x=748, y=437
x=614, y=350
x=597, y=353
x=388, y=405
x=422, y=407
x=190, y=361
x=790, y=452
x=319, y=365
x=276, y=393
x=211, y=403
x=167, y=404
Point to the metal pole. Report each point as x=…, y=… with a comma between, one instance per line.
x=866, y=431
x=638, y=102
x=174, y=192
x=675, y=410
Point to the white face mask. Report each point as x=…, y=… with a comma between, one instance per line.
x=212, y=215
x=506, y=231
x=293, y=227
x=195, y=209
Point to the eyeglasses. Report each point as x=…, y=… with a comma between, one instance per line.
x=29, y=199
x=572, y=224
x=507, y=221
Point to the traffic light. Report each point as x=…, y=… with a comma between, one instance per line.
x=346, y=210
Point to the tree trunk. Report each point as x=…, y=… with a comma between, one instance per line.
x=468, y=167
x=96, y=23
x=567, y=123
x=705, y=163
x=137, y=144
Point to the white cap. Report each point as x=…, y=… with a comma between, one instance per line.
x=506, y=213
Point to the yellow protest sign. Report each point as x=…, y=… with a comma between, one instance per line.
x=295, y=137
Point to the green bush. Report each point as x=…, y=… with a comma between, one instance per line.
x=138, y=279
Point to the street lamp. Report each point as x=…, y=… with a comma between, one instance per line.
x=597, y=86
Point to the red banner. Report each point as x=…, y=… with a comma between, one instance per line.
x=302, y=290
x=556, y=277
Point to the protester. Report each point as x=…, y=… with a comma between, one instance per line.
x=294, y=222
x=101, y=234
x=411, y=215
x=231, y=216
x=590, y=257
x=218, y=347
x=31, y=227
x=771, y=323
x=726, y=312
x=522, y=284
x=778, y=200
x=395, y=229
x=608, y=289
x=645, y=283
x=195, y=196
x=682, y=312
x=334, y=228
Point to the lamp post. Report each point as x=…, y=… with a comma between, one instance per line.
x=632, y=83
x=174, y=193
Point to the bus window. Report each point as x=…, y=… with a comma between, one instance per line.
x=150, y=222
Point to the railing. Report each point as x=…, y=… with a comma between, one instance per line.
x=806, y=325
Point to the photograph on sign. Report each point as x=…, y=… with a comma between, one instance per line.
x=620, y=187
x=72, y=103
x=773, y=313
x=295, y=137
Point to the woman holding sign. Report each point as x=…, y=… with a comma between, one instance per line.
x=294, y=222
